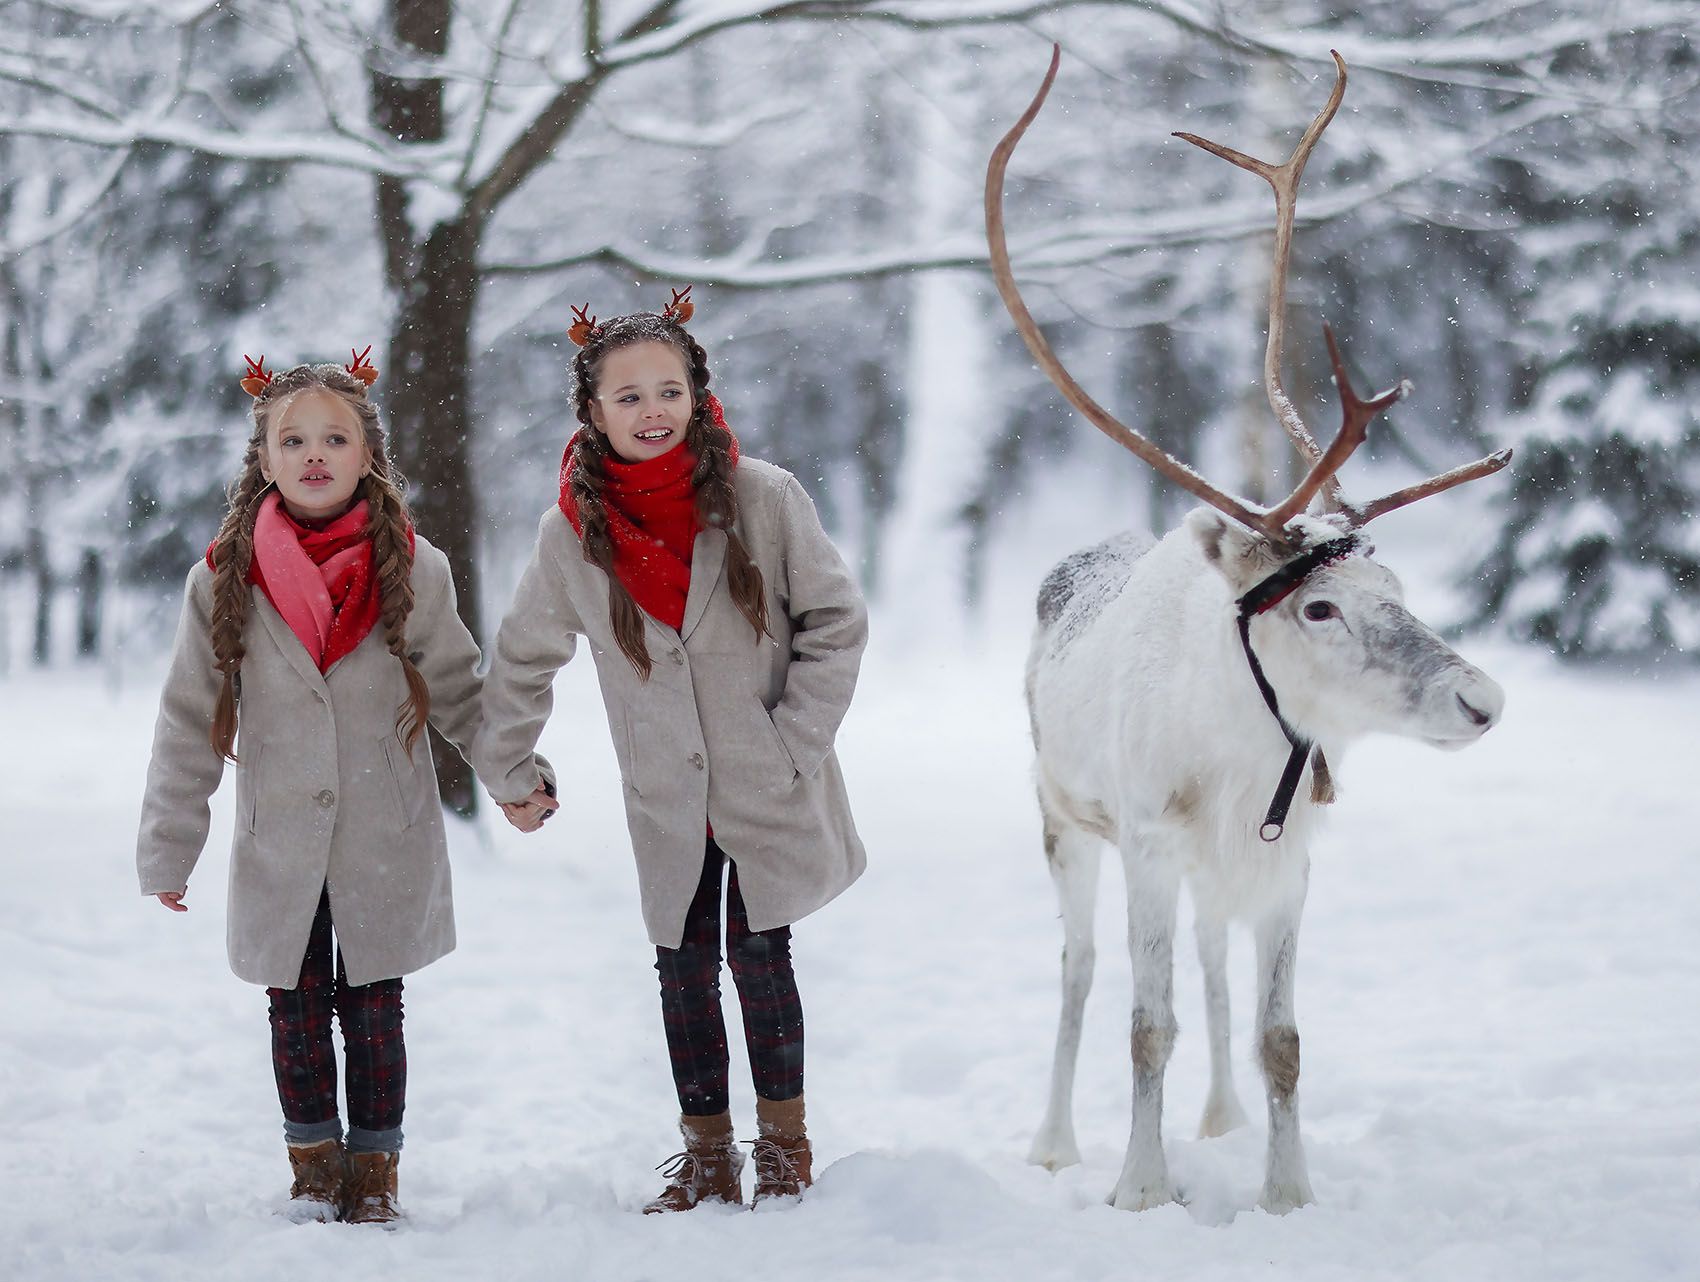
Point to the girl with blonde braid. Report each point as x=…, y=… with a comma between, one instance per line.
x=727, y=634
x=318, y=638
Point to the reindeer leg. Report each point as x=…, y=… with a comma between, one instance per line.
x=1222, y=1111
x=1153, y=886
x=1073, y=856
x=1286, y=1182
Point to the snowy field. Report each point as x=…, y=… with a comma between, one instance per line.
x=1500, y=969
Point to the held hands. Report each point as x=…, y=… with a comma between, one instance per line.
x=173, y=899
x=528, y=815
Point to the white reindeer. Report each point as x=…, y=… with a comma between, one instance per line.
x=1167, y=683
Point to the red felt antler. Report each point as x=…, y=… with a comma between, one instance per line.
x=258, y=377
x=581, y=327
x=362, y=368
x=681, y=309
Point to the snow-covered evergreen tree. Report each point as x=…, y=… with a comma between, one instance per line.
x=1599, y=549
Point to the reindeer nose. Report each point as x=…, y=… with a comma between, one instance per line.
x=1483, y=702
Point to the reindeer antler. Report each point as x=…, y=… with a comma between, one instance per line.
x=258, y=376
x=681, y=309
x=582, y=325
x=1101, y=418
x=362, y=368
x=1356, y=413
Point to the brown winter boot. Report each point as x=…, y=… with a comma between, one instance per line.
x=316, y=1192
x=369, y=1195
x=707, y=1171
x=783, y=1158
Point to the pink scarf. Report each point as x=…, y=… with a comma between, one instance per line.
x=320, y=581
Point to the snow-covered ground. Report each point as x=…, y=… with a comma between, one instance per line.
x=1500, y=969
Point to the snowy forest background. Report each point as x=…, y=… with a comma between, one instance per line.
x=1498, y=946
x=1505, y=212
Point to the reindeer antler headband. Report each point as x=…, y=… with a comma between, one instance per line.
x=585, y=327
x=258, y=377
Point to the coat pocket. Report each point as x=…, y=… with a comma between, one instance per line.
x=786, y=767
x=629, y=749
x=403, y=776
x=248, y=785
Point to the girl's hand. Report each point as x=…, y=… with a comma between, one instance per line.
x=528, y=815
x=173, y=899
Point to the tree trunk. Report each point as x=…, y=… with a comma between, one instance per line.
x=35, y=555
x=435, y=284
x=428, y=403
x=91, y=582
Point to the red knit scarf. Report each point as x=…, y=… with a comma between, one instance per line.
x=652, y=521
x=319, y=580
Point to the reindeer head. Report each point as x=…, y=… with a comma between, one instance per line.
x=1338, y=643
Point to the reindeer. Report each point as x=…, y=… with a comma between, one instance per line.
x=1166, y=683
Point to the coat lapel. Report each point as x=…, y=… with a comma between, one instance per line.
x=288, y=643
x=708, y=558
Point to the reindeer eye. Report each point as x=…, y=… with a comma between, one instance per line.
x=1317, y=611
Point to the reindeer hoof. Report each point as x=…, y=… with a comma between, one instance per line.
x=1220, y=1117
x=1282, y=1198
x=1053, y=1155
x=1142, y=1197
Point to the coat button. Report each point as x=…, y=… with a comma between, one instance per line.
x=678, y=658
x=326, y=798
x=697, y=761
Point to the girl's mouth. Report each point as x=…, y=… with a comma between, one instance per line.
x=653, y=434
x=316, y=478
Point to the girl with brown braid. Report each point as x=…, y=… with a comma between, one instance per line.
x=727, y=635
x=318, y=638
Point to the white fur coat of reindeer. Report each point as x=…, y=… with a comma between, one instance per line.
x=1162, y=731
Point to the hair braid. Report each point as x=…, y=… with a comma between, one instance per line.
x=233, y=550
x=392, y=564
x=717, y=500
x=711, y=480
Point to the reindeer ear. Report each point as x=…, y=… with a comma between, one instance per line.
x=1239, y=555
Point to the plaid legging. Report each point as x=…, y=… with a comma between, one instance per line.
x=304, y=1057
x=767, y=995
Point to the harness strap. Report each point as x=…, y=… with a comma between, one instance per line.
x=1260, y=599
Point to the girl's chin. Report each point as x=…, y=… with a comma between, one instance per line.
x=316, y=509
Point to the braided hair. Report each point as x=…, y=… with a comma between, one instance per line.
x=711, y=480
x=387, y=526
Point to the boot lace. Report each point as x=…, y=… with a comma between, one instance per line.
x=773, y=1161
x=681, y=1168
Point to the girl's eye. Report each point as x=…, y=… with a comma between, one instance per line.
x=291, y=441
x=672, y=393
x=1317, y=611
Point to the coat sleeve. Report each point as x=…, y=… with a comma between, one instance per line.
x=537, y=638
x=443, y=650
x=184, y=771
x=830, y=622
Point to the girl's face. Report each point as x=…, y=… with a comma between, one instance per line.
x=642, y=402
x=315, y=451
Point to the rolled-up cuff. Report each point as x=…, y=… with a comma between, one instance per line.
x=304, y=1133
x=361, y=1140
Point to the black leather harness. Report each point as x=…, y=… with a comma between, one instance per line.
x=1266, y=596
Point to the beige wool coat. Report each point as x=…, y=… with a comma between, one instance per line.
x=730, y=728
x=325, y=792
